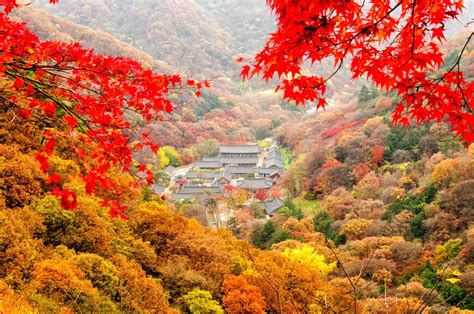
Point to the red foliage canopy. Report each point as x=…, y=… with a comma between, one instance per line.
x=396, y=45
x=261, y=195
x=86, y=97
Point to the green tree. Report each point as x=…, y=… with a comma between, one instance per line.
x=413, y=203
x=264, y=233
x=322, y=222
x=398, y=138
x=268, y=234
x=428, y=275
x=291, y=210
x=374, y=92
x=172, y=155
x=448, y=251
x=455, y=295
x=417, y=228
x=364, y=94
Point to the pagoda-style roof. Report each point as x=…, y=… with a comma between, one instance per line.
x=255, y=184
x=271, y=207
x=208, y=163
x=239, y=149
x=239, y=160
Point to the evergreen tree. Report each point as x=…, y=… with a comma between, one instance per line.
x=364, y=94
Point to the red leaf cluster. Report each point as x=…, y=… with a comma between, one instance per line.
x=87, y=97
x=261, y=195
x=394, y=44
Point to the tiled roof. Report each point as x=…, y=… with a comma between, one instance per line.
x=157, y=189
x=255, y=184
x=169, y=170
x=275, y=152
x=198, y=189
x=273, y=162
x=179, y=177
x=202, y=175
x=210, y=159
x=265, y=170
x=240, y=169
x=212, y=163
x=226, y=175
x=238, y=161
x=272, y=207
x=239, y=148
x=196, y=192
x=181, y=196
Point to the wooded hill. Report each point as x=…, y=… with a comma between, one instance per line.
x=377, y=218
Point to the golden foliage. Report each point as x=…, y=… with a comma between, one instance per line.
x=355, y=228
x=61, y=280
x=137, y=291
x=21, y=179
x=12, y=303
x=19, y=249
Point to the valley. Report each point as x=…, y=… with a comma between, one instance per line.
x=172, y=185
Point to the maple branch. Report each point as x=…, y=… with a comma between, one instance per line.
x=437, y=81
x=65, y=107
x=74, y=81
x=461, y=53
x=365, y=29
x=458, y=63
x=413, y=29
x=52, y=98
x=349, y=40
x=37, y=118
x=25, y=77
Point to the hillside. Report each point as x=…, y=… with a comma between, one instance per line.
x=52, y=27
x=178, y=32
x=226, y=112
x=249, y=21
x=199, y=38
x=397, y=224
x=329, y=211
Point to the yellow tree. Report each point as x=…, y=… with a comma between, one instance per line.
x=307, y=255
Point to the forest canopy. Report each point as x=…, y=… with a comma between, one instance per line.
x=355, y=214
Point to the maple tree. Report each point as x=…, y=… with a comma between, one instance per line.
x=394, y=44
x=90, y=99
x=261, y=195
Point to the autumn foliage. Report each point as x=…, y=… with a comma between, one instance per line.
x=396, y=45
x=241, y=297
x=71, y=92
x=374, y=218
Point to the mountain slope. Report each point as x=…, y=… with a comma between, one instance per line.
x=179, y=32
x=249, y=21
x=50, y=27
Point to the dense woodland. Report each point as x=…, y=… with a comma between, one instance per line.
x=377, y=217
